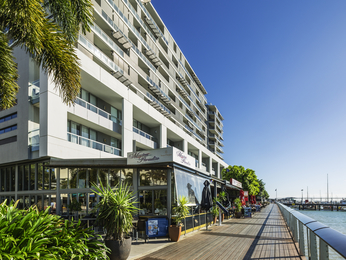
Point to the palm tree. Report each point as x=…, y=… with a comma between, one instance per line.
x=48, y=30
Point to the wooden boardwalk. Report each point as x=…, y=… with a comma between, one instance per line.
x=265, y=236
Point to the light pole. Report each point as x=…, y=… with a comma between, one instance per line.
x=302, y=196
x=276, y=194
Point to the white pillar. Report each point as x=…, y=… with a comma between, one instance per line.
x=127, y=128
x=210, y=165
x=217, y=170
x=200, y=159
x=163, y=136
x=185, y=146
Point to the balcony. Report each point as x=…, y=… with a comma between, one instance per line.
x=114, y=69
x=121, y=37
x=96, y=115
x=219, y=154
x=157, y=104
x=151, y=22
x=73, y=138
x=34, y=140
x=34, y=92
x=144, y=138
x=158, y=91
x=220, y=150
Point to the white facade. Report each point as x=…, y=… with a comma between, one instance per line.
x=138, y=93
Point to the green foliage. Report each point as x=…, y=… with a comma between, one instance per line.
x=115, y=210
x=30, y=234
x=50, y=42
x=246, y=176
x=237, y=204
x=222, y=196
x=181, y=210
x=215, y=209
x=75, y=205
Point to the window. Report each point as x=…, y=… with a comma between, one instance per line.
x=9, y=117
x=8, y=129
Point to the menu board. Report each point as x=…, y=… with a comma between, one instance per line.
x=153, y=227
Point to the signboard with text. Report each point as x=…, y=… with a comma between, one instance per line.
x=169, y=154
x=236, y=183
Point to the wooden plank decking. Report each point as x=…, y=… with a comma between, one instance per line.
x=265, y=236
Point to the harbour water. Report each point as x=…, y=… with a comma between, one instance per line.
x=333, y=219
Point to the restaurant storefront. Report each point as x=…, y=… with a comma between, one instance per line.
x=157, y=178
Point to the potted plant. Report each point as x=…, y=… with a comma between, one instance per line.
x=115, y=214
x=238, y=207
x=215, y=210
x=180, y=212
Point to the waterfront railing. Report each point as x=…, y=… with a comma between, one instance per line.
x=307, y=232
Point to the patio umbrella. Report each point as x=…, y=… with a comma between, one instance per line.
x=207, y=201
x=241, y=197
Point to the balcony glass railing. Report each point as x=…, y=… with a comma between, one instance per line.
x=115, y=28
x=34, y=91
x=139, y=19
x=193, y=122
x=97, y=30
x=73, y=138
x=149, y=16
x=34, y=139
x=158, y=88
x=144, y=134
x=96, y=110
x=99, y=54
x=219, y=154
x=158, y=102
x=133, y=29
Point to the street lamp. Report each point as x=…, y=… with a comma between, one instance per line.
x=276, y=194
x=302, y=196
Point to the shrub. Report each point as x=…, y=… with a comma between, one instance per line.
x=31, y=234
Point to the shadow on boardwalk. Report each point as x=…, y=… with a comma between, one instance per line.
x=265, y=236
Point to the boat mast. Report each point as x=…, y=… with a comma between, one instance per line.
x=327, y=189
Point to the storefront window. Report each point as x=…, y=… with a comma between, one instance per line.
x=13, y=178
x=146, y=202
x=20, y=178
x=92, y=202
x=103, y=176
x=32, y=176
x=92, y=177
x=52, y=179
x=46, y=175
x=73, y=178
x=114, y=177
x=26, y=177
x=39, y=176
x=63, y=178
x=189, y=185
x=154, y=177
x=2, y=180
x=82, y=199
x=127, y=176
x=82, y=178
x=160, y=202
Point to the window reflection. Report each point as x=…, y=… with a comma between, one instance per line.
x=160, y=202
x=155, y=177
x=63, y=178
x=73, y=178
x=146, y=202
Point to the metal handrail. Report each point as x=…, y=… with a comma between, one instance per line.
x=328, y=237
x=77, y=139
x=97, y=110
x=144, y=134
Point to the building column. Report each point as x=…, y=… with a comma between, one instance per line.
x=185, y=146
x=169, y=195
x=200, y=159
x=127, y=128
x=217, y=170
x=210, y=162
x=58, y=197
x=163, y=136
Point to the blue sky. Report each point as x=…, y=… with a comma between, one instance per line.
x=277, y=72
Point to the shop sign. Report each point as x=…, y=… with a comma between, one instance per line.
x=236, y=183
x=246, y=193
x=169, y=154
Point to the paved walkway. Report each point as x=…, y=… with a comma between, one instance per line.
x=265, y=236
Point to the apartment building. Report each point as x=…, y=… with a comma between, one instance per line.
x=140, y=98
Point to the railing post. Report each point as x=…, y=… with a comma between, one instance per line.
x=324, y=253
x=295, y=229
x=313, y=246
x=301, y=239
